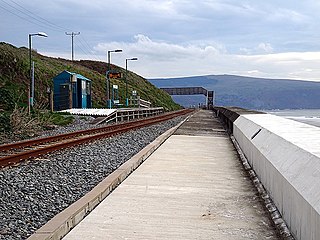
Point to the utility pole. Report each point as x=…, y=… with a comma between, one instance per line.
x=72, y=34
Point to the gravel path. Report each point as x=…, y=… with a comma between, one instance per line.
x=34, y=192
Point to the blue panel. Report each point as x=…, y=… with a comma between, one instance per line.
x=63, y=77
x=84, y=101
x=60, y=82
x=74, y=96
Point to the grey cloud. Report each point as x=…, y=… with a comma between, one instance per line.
x=212, y=34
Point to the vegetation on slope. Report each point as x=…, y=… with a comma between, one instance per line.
x=14, y=82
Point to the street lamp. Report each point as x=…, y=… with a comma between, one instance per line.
x=31, y=84
x=108, y=77
x=128, y=59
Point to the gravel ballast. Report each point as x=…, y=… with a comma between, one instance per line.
x=34, y=192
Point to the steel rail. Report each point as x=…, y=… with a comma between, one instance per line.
x=33, y=142
x=96, y=133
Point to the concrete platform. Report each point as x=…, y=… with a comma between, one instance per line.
x=89, y=111
x=192, y=187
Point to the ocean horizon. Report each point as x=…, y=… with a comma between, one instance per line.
x=308, y=116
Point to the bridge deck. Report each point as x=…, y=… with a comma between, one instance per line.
x=192, y=187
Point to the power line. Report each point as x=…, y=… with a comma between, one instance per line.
x=41, y=18
x=88, y=48
x=30, y=21
x=21, y=12
x=31, y=16
x=85, y=52
x=81, y=49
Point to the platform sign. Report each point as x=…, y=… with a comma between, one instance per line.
x=115, y=95
x=115, y=75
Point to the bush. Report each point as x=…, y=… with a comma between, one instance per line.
x=5, y=126
x=24, y=125
x=7, y=99
x=19, y=124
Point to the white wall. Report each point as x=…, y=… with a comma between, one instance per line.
x=285, y=154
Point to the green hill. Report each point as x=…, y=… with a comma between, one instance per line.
x=14, y=79
x=16, y=123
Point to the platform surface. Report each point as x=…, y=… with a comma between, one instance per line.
x=90, y=111
x=192, y=187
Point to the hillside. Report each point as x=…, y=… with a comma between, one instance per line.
x=247, y=92
x=14, y=79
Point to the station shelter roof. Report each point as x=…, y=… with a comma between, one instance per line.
x=79, y=76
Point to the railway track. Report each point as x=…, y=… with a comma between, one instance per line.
x=11, y=154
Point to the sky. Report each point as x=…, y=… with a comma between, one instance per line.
x=258, y=38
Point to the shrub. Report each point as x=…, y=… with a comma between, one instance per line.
x=5, y=127
x=7, y=99
x=24, y=125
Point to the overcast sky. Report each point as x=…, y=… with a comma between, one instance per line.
x=273, y=39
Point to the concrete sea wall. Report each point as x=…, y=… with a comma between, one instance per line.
x=285, y=155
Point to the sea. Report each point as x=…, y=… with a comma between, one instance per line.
x=308, y=116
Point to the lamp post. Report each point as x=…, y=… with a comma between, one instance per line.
x=109, y=104
x=128, y=59
x=31, y=84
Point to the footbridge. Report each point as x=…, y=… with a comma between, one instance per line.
x=193, y=91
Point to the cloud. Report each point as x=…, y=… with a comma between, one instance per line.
x=285, y=15
x=260, y=49
x=180, y=37
x=266, y=47
x=294, y=65
x=160, y=50
x=164, y=59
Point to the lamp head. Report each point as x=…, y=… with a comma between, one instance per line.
x=42, y=34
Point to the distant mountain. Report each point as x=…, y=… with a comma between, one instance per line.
x=248, y=92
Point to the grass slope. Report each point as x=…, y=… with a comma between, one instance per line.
x=14, y=79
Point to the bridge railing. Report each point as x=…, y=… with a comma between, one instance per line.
x=144, y=103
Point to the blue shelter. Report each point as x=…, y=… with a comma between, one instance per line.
x=71, y=90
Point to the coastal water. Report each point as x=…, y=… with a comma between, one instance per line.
x=309, y=116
